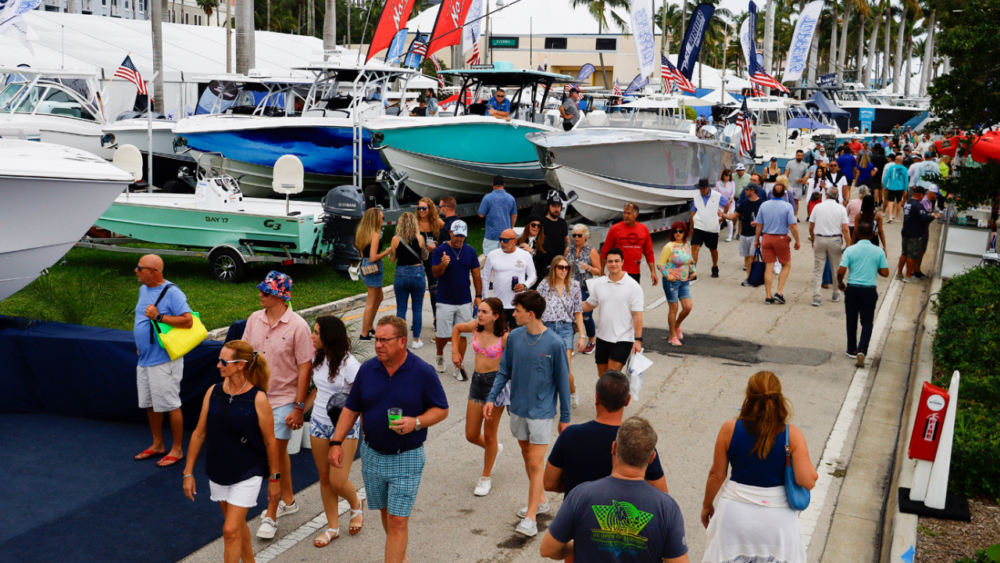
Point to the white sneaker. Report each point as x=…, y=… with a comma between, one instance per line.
x=729, y=238
x=285, y=510
x=542, y=509
x=777, y=267
x=417, y=344
x=574, y=399
x=527, y=528
x=483, y=487
x=439, y=364
x=496, y=460
x=267, y=529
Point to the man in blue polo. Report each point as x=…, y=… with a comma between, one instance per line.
x=392, y=452
x=499, y=105
x=865, y=261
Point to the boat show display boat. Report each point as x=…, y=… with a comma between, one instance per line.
x=51, y=196
x=460, y=155
x=327, y=136
x=642, y=153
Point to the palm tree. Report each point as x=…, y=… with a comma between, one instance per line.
x=156, y=13
x=245, y=56
x=207, y=6
x=872, y=44
x=599, y=9
x=330, y=27
x=863, y=9
x=928, y=62
x=833, y=40
x=897, y=68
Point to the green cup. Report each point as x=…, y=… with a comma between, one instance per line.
x=395, y=414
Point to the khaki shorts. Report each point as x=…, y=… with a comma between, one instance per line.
x=160, y=385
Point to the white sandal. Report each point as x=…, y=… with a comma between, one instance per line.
x=336, y=534
x=355, y=513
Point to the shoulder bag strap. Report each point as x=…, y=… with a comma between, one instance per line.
x=152, y=323
x=788, y=449
x=413, y=252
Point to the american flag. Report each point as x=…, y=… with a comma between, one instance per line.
x=474, y=60
x=419, y=48
x=128, y=72
x=669, y=73
x=618, y=89
x=761, y=78
x=745, y=122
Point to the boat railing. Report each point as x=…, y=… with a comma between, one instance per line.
x=635, y=120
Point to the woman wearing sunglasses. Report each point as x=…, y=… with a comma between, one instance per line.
x=430, y=223
x=563, y=311
x=237, y=426
x=677, y=268
x=727, y=187
x=586, y=264
x=533, y=241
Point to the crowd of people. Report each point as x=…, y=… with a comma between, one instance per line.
x=532, y=307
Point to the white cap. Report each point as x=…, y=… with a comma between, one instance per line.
x=934, y=190
x=740, y=167
x=459, y=228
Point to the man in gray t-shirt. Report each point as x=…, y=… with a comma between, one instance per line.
x=569, y=110
x=797, y=172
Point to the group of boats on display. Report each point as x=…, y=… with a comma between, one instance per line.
x=215, y=170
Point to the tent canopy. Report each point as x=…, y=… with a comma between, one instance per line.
x=714, y=96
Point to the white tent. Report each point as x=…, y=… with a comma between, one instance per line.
x=717, y=97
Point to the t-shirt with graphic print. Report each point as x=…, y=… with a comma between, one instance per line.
x=620, y=520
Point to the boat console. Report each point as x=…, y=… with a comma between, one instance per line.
x=220, y=193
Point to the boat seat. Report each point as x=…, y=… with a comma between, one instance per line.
x=477, y=109
x=392, y=110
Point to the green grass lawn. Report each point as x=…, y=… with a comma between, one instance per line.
x=99, y=288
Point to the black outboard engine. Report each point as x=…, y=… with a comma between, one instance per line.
x=343, y=206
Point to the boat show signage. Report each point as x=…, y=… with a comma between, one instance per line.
x=394, y=16
x=642, y=32
x=447, y=30
x=827, y=80
x=504, y=43
x=798, y=52
x=695, y=34
x=747, y=32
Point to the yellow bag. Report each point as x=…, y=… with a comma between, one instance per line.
x=179, y=341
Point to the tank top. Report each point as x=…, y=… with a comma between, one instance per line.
x=492, y=352
x=405, y=257
x=577, y=257
x=367, y=251
x=748, y=468
x=229, y=460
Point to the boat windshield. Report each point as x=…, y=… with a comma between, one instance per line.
x=8, y=94
x=27, y=101
x=635, y=120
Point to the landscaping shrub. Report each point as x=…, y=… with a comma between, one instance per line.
x=968, y=340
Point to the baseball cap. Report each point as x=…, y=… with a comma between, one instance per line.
x=555, y=201
x=460, y=229
x=907, y=148
x=934, y=190
x=928, y=154
x=774, y=159
x=740, y=167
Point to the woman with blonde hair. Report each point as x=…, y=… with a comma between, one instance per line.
x=754, y=520
x=430, y=223
x=408, y=250
x=367, y=240
x=586, y=264
x=563, y=311
x=237, y=426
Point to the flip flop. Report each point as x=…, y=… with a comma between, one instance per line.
x=170, y=459
x=146, y=454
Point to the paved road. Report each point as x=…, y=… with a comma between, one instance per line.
x=686, y=395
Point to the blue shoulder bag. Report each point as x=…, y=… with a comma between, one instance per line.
x=798, y=496
x=756, y=274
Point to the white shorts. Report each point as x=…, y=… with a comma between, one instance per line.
x=531, y=430
x=746, y=246
x=450, y=315
x=160, y=385
x=243, y=494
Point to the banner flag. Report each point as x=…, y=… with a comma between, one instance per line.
x=586, y=71
x=473, y=25
x=394, y=16
x=638, y=83
x=798, y=52
x=398, y=46
x=447, y=30
x=642, y=32
x=747, y=33
x=695, y=34
x=13, y=24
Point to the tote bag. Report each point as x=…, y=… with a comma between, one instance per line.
x=798, y=496
x=756, y=274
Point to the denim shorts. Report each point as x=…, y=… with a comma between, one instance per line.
x=676, y=290
x=281, y=430
x=482, y=384
x=325, y=431
x=372, y=280
x=563, y=330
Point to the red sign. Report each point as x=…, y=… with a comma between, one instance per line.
x=927, y=429
x=448, y=26
x=394, y=16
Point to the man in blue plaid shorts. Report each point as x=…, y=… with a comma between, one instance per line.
x=406, y=389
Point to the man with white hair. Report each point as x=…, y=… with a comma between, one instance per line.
x=827, y=233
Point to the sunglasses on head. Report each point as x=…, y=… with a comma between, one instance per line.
x=225, y=362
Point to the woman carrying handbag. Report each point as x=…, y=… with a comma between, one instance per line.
x=757, y=515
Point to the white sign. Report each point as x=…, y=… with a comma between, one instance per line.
x=935, y=402
x=642, y=32
x=745, y=40
x=473, y=25
x=798, y=52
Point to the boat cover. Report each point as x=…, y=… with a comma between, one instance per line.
x=828, y=108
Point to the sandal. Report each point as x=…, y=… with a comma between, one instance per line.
x=146, y=454
x=169, y=460
x=327, y=534
x=354, y=514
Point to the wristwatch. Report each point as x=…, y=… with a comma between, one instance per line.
x=335, y=443
x=417, y=427
x=159, y=318
x=275, y=477
x=638, y=339
x=301, y=406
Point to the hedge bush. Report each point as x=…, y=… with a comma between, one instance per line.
x=968, y=340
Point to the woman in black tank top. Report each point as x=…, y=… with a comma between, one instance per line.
x=409, y=250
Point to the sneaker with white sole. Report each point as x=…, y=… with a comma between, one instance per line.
x=542, y=509
x=417, y=344
x=285, y=510
x=527, y=528
x=483, y=487
x=267, y=529
x=835, y=297
x=817, y=301
x=439, y=364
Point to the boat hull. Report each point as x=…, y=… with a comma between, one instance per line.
x=63, y=130
x=607, y=169
x=886, y=117
x=460, y=156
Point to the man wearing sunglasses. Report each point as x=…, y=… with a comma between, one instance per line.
x=502, y=266
x=706, y=210
x=499, y=106
x=158, y=377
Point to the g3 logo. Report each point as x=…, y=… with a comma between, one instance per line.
x=272, y=224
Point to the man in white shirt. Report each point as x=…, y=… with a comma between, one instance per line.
x=619, y=333
x=502, y=266
x=840, y=181
x=827, y=233
x=705, y=213
x=916, y=169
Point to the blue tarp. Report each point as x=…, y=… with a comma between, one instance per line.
x=86, y=372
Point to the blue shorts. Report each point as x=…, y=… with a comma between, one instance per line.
x=563, y=330
x=392, y=481
x=281, y=430
x=325, y=431
x=372, y=280
x=676, y=290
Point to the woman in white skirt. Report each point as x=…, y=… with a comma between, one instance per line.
x=753, y=521
x=238, y=424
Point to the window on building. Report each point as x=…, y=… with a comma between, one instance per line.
x=52, y=8
x=607, y=44
x=555, y=42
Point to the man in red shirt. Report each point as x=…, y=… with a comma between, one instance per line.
x=855, y=146
x=635, y=242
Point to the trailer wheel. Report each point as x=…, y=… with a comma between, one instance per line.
x=227, y=265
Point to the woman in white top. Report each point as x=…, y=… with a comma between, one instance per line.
x=333, y=349
x=727, y=188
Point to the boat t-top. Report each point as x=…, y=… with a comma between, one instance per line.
x=460, y=155
x=327, y=136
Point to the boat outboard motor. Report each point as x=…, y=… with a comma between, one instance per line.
x=343, y=208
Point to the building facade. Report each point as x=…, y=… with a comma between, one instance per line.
x=176, y=11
